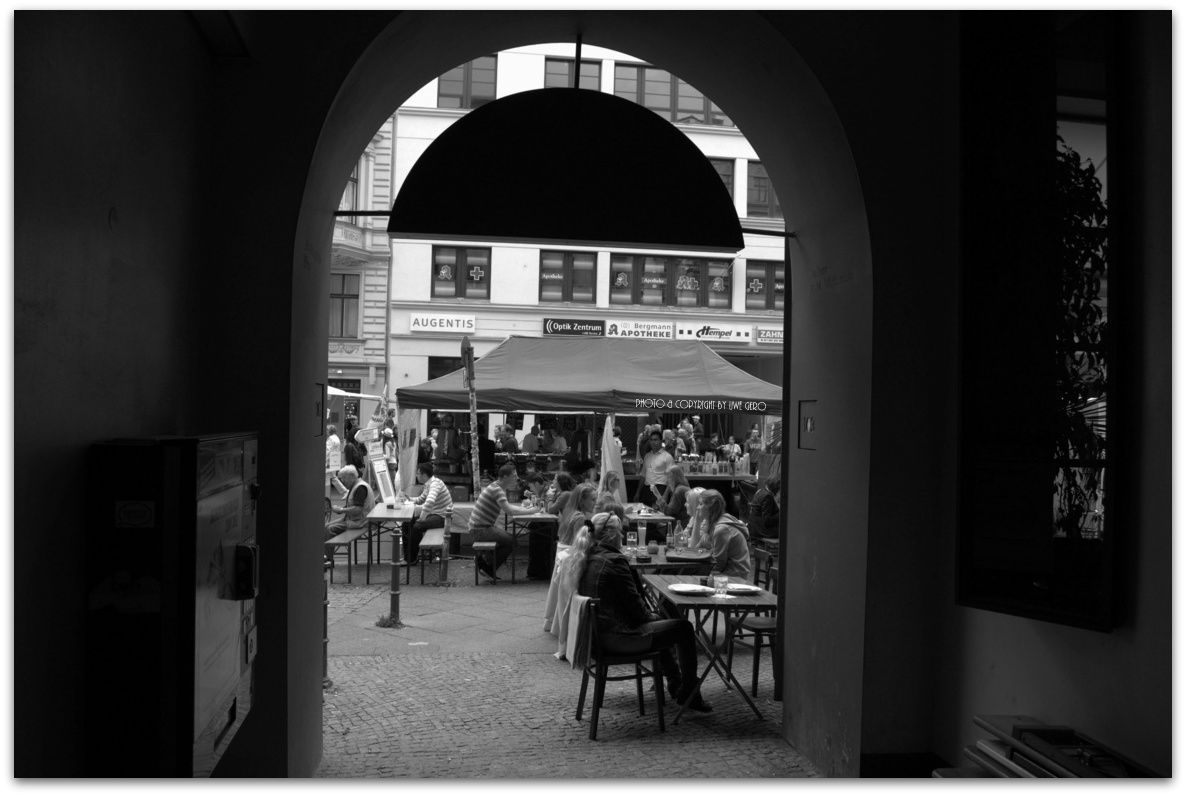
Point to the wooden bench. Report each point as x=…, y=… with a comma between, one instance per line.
x=345, y=539
x=484, y=547
x=434, y=539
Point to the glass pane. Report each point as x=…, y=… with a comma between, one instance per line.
x=350, y=284
x=1079, y=502
x=653, y=289
x=779, y=279
x=444, y=282
x=687, y=282
x=477, y=273
x=725, y=169
x=758, y=192
x=584, y=277
x=717, y=116
x=349, y=317
x=591, y=76
x=335, y=283
x=556, y=73
x=690, y=108
x=551, y=276
x=657, y=90
x=626, y=82
x=756, y=286
x=335, y=317
x=720, y=285
x=621, y=286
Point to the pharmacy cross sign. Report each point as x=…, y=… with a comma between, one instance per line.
x=476, y=274
x=755, y=286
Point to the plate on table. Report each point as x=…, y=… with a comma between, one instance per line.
x=691, y=588
x=743, y=588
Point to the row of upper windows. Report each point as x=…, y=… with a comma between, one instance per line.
x=635, y=279
x=472, y=85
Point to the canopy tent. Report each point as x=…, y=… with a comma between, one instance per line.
x=599, y=374
x=590, y=374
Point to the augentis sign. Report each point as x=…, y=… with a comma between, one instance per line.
x=570, y=328
x=425, y=322
x=699, y=404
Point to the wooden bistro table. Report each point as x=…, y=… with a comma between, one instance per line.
x=660, y=563
x=518, y=524
x=739, y=605
x=391, y=519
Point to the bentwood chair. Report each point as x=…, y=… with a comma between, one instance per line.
x=759, y=630
x=598, y=666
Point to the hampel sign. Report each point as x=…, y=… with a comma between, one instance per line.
x=718, y=332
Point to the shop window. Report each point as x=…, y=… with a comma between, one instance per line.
x=760, y=199
x=460, y=273
x=764, y=285
x=343, y=305
x=568, y=276
x=469, y=85
x=670, y=281
x=558, y=74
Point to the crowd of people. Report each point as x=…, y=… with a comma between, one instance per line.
x=589, y=560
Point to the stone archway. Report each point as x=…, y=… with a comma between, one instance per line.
x=773, y=96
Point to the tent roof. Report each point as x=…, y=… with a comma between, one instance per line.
x=595, y=374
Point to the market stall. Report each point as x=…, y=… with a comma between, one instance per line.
x=560, y=375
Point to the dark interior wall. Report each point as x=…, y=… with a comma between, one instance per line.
x=909, y=179
x=159, y=186
x=1118, y=686
x=111, y=126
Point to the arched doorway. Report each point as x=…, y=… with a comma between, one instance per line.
x=775, y=98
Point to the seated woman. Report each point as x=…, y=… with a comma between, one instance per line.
x=577, y=509
x=625, y=624
x=723, y=534
x=609, y=494
x=763, y=511
x=674, y=500
x=557, y=493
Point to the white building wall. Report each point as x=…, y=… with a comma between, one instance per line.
x=514, y=306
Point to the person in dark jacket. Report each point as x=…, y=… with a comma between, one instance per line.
x=763, y=511
x=625, y=624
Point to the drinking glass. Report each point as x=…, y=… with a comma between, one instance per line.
x=721, y=582
x=631, y=539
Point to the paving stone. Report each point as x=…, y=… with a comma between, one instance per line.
x=469, y=688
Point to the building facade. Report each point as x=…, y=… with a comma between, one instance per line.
x=442, y=290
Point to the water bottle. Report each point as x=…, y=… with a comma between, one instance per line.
x=681, y=537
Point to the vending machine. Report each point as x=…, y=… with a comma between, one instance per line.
x=173, y=573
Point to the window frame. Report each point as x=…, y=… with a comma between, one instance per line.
x=732, y=177
x=768, y=274
x=568, y=62
x=568, y=269
x=712, y=115
x=460, y=266
x=466, y=99
x=344, y=296
x=769, y=209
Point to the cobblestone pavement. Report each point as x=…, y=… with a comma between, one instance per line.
x=469, y=687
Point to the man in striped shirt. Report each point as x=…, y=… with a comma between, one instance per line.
x=483, y=522
x=432, y=507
